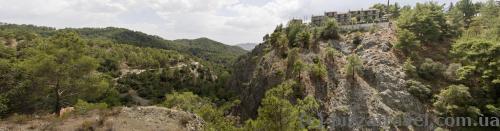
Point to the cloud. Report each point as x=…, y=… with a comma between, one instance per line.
x=228, y=21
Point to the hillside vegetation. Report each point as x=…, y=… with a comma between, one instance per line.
x=204, y=48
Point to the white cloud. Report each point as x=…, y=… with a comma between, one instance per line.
x=228, y=21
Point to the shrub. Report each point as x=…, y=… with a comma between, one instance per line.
x=451, y=72
x=427, y=21
x=430, y=70
x=357, y=39
x=319, y=70
x=410, y=70
x=186, y=101
x=330, y=30
x=3, y=105
x=354, y=65
x=419, y=90
x=407, y=41
x=82, y=106
x=455, y=100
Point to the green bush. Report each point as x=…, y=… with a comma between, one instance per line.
x=330, y=30
x=430, y=70
x=455, y=100
x=186, y=101
x=3, y=105
x=410, y=70
x=419, y=90
x=319, y=70
x=407, y=41
x=82, y=106
x=427, y=21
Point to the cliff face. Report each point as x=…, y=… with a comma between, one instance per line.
x=378, y=91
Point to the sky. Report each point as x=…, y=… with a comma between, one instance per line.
x=227, y=21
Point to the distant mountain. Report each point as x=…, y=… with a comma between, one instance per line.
x=247, y=46
x=204, y=48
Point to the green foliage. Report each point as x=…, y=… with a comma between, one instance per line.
x=305, y=38
x=3, y=105
x=394, y=9
x=480, y=60
x=331, y=53
x=467, y=9
x=279, y=41
x=456, y=20
x=451, y=72
x=82, y=106
x=53, y=68
x=407, y=41
x=419, y=90
x=330, y=29
x=430, y=70
x=410, y=70
x=186, y=101
x=308, y=107
x=63, y=67
x=213, y=115
x=354, y=65
x=493, y=110
x=276, y=113
x=319, y=70
x=293, y=31
x=427, y=21
x=298, y=67
x=455, y=100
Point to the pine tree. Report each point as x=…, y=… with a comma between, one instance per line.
x=62, y=67
x=354, y=65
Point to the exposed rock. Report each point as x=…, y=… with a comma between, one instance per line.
x=125, y=119
x=378, y=92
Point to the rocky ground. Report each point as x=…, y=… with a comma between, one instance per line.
x=378, y=92
x=118, y=119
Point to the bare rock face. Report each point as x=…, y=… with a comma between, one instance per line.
x=378, y=93
x=148, y=118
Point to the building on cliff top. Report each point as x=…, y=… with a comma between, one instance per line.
x=351, y=17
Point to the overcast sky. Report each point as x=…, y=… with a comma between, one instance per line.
x=227, y=21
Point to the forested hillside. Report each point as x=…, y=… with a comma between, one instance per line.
x=204, y=48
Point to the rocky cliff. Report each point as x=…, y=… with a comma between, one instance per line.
x=377, y=92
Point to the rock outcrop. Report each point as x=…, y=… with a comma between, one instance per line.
x=379, y=92
x=148, y=118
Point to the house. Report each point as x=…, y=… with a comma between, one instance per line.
x=357, y=16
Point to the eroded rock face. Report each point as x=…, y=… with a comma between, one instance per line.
x=376, y=93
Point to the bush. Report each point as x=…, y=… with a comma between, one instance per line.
x=407, y=41
x=410, y=70
x=330, y=30
x=430, y=70
x=3, y=105
x=357, y=38
x=451, y=72
x=186, y=101
x=419, y=90
x=455, y=101
x=82, y=106
x=319, y=70
x=427, y=21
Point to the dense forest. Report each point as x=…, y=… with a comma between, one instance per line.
x=450, y=55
